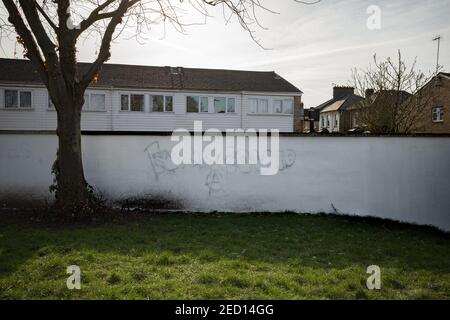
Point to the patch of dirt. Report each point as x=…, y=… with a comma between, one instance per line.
x=22, y=202
x=149, y=202
x=47, y=218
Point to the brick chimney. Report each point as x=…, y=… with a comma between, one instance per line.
x=341, y=92
x=175, y=70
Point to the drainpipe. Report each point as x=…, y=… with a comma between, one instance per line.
x=242, y=111
x=111, y=89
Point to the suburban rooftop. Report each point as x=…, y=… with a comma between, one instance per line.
x=164, y=78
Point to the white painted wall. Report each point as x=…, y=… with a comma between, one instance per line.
x=400, y=178
x=333, y=116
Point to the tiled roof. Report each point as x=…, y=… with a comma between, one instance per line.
x=148, y=77
x=335, y=106
x=341, y=104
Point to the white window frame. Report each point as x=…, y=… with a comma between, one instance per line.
x=356, y=120
x=198, y=104
x=89, y=104
x=274, y=107
x=258, y=103
x=249, y=104
x=164, y=103
x=199, y=97
x=439, y=111
x=271, y=108
x=129, y=94
x=19, y=90
x=227, y=99
x=292, y=104
x=50, y=105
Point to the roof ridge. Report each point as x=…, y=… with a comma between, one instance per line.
x=156, y=66
x=185, y=68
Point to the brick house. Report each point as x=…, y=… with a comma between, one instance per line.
x=435, y=116
x=333, y=115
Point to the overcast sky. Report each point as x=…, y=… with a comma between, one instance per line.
x=311, y=46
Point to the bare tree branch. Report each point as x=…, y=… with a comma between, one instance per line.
x=45, y=15
x=104, y=53
x=27, y=39
x=394, y=103
x=39, y=32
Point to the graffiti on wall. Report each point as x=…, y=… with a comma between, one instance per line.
x=214, y=176
x=160, y=160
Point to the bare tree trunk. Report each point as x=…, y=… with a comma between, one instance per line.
x=71, y=185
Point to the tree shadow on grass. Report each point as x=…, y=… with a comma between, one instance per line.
x=297, y=240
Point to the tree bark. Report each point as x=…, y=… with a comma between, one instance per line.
x=72, y=189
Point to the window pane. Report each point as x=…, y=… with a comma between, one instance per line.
x=231, y=105
x=11, y=99
x=169, y=104
x=137, y=102
x=204, y=104
x=158, y=104
x=25, y=99
x=288, y=106
x=253, y=105
x=192, y=104
x=124, y=102
x=263, y=106
x=98, y=102
x=50, y=103
x=219, y=105
x=277, y=106
x=438, y=114
x=86, y=105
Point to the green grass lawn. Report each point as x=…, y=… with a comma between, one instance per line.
x=225, y=256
